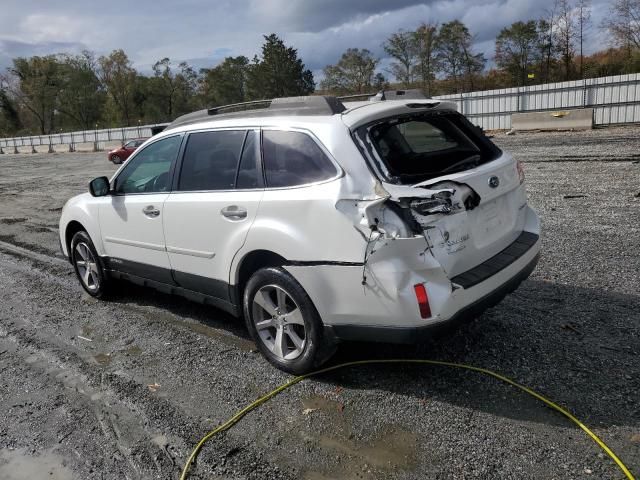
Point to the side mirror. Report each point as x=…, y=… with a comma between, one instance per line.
x=99, y=187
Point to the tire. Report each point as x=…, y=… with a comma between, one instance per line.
x=116, y=159
x=284, y=323
x=92, y=276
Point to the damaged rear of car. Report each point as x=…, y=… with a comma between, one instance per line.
x=448, y=234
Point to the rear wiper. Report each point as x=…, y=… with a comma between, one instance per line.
x=473, y=159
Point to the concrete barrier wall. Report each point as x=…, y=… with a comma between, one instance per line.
x=614, y=100
x=579, y=119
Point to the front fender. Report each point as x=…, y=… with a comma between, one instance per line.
x=83, y=209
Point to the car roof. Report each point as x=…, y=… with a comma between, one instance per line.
x=309, y=110
x=361, y=113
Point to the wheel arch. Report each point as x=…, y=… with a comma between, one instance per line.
x=72, y=228
x=250, y=263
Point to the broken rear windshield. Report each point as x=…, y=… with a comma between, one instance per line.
x=418, y=147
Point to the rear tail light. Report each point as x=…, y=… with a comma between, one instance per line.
x=423, y=300
x=520, y=168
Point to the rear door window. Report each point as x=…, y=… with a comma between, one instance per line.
x=211, y=160
x=294, y=158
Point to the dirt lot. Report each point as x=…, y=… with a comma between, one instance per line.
x=124, y=389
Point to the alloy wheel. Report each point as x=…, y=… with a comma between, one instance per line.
x=87, y=266
x=279, y=322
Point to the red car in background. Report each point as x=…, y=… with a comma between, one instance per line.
x=120, y=154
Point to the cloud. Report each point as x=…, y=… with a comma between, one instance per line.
x=204, y=31
x=318, y=15
x=10, y=49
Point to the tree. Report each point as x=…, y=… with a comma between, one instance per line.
x=583, y=8
x=516, y=50
x=354, y=72
x=401, y=47
x=9, y=119
x=425, y=42
x=456, y=55
x=81, y=96
x=171, y=92
x=279, y=72
x=545, y=46
x=566, y=33
x=623, y=24
x=36, y=88
x=119, y=78
x=226, y=83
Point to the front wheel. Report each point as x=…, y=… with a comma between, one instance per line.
x=87, y=266
x=116, y=159
x=283, y=322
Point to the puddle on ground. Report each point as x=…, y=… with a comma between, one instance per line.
x=103, y=358
x=394, y=449
x=318, y=402
x=227, y=339
x=18, y=465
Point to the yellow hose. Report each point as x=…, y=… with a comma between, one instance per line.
x=233, y=420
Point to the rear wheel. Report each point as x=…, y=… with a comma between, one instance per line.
x=284, y=322
x=116, y=159
x=87, y=266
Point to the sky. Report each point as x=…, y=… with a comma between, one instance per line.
x=203, y=32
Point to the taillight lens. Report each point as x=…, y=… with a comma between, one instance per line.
x=423, y=300
x=520, y=168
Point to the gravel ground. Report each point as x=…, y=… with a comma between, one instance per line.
x=125, y=388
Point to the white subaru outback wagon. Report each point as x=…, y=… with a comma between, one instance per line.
x=316, y=220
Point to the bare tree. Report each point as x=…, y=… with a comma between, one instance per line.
x=458, y=61
x=566, y=32
x=624, y=24
x=583, y=10
x=425, y=41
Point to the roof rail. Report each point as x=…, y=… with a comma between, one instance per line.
x=356, y=97
x=411, y=94
x=239, y=107
x=309, y=105
x=306, y=105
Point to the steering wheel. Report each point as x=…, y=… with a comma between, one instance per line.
x=159, y=183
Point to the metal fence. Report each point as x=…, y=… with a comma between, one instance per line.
x=97, y=137
x=615, y=100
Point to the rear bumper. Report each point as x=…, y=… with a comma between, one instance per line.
x=390, y=334
x=379, y=302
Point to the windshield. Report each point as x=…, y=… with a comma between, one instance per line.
x=418, y=147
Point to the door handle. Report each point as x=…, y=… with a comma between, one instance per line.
x=234, y=212
x=151, y=211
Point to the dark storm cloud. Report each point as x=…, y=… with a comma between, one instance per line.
x=204, y=31
x=10, y=49
x=315, y=16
